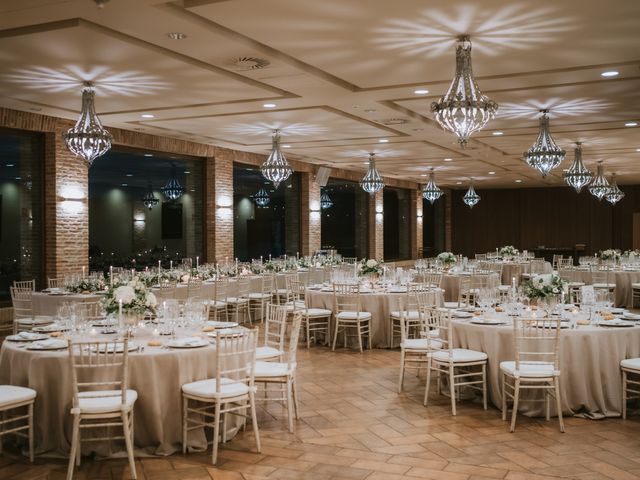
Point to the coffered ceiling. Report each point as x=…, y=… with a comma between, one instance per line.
x=342, y=75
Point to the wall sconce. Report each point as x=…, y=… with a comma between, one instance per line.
x=224, y=201
x=72, y=206
x=72, y=192
x=379, y=209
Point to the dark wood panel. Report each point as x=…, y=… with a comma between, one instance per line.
x=550, y=217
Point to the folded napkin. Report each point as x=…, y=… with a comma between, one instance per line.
x=49, y=343
x=29, y=335
x=631, y=316
x=188, y=341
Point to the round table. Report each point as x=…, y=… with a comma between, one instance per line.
x=48, y=303
x=157, y=374
x=379, y=304
x=623, y=280
x=451, y=284
x=589, y=363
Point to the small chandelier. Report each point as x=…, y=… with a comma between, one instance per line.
x=276, y=169
x=88, y=139
x=150, y=200
x=325, y=201
x=614, y=195
x=431, y=191
x=172, y=189
x=544, y=155
x=372, y=182
x=578, y=175
x=464, y=110
x=599, y=186
x=471, y=198
x=262, y=198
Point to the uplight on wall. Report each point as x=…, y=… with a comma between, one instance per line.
x=72, y=198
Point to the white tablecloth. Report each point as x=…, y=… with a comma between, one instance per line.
x=589, y=362
x=623, y=280
x=48, y=304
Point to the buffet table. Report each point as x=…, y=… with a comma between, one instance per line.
x=589, y=361
x=156, y=373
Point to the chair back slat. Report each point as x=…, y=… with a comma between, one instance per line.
x=22, y=301
x=236, y=357
x=25, y=285
x=275, y=326
x=346, y=298
x=536, y=341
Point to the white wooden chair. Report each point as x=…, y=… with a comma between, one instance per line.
x=349, y=315
x=464, y=367
x=275, y=328
x=107, y=402
x=194, y=287
x=258, y=300
x=12, y=400
x=630, y=386
x=283, y=374
x=635, y=294
x=239, y=304
x=22, y=303
x=536, y=346
x=573, y=284
x=25, y=285
x=603, y=280
x=314, y=320
x=55, y=282
x=218, y=304
x=232, y=391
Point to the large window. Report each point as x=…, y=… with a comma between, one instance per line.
x=344, y=224
x=397, y=239
x=265, y=225
x=21, y=165
x=122, y=230
x=433, y=227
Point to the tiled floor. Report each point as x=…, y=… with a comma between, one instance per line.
x=354, y=426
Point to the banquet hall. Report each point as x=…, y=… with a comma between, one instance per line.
x=293, y=239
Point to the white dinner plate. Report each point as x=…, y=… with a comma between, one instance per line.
x=37, y=320
x=107, y=322
x=488, y=321
x=27, y=337
x=54, y=327
x=462, y=314
x=222, y=325
x=49, y=344
x=187, y=343
x=616, y=323
x=631, y=316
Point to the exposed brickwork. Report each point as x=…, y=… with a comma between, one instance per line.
x=415, y=213
x=376, y=226
x=220, y=207
x=310, y=217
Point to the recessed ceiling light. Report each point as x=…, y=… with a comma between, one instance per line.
x=124, y=185
x=129, y=175
x=10, y=165
x=370, y=110
x=518, y=181
x=637, y=149
x=147, y=115
x=366, y=163
x=176, y=35
x=458, y=183
x=269, y=105
x=610, y=73
x=423, y=174
x=148, y=154
x=286, y=146
x=383, y=140
x=497, y=134
x=421, y=91
x=18, y=178
x=187, y=171
x=631, y=124
x=448, y=159
x=492, y=173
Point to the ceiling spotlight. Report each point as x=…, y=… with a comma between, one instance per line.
x=518, y=181
x=176, y=35
x=383, y=140
x=421, y=92
x=10, y=165
x=458, y=183
x=148, y=154
x=269, y=105
x=147, y=115
x=423, y=174
x=610, y=73
x=631, y=124
x=286, y=146
x=129, y=175
x=497, y=134
x=492, y=173
x=448, y=159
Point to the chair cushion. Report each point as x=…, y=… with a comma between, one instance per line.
x=318, y=312
x=10, y=394
x=460, y=355
x=207, y=388
x=263, y=353
x=259, y=296
x=420, y=344
x=237, y=300
x=347, y=315
x=272, y=369
x=297, y=305
x=96, y=402
x=451, y=305
x=410, y=314
x=504, y=288
x=604, y=285
x=635, y=285
x=530, y=370
x=630, y=363
x=216, y=303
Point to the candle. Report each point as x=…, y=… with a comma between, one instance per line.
x=82, y=272
x=236, y=266
x=159, y=266
x=260, y=258
x=120, y=311
x=111, y=275
x=197, y=262
x=269, y=257
x=170, y=264
x=297, y=255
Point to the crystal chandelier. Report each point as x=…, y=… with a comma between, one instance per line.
x=464, y=110
x=599, y=186
x=262, y=198
x=276, y=169
x=578, y=176
x=544, y=155
x=431, y=191
x=150, y=200
x=172, y=190
x=614, y=195
x=471, y=198
x=88, y=139
x=372, y=182
x=325, y=201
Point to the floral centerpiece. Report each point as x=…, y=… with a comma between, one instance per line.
x=544, y=285
x=135, y=297
x=370, y=267
x=303, y=262
x=508, y=251
x=152, y=278
x=85, y=285
x=447, y=258
x=609, y=254
x=631, y=254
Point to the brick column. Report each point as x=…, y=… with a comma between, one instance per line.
x=416, y=225
x=66, y=207
x=310, y=216
x=376, y=226
x=218, y=202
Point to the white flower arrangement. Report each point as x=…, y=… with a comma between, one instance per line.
x=447, y=258
x=508, y=251
x=609, y=254
x=370, y=267
x=631, y=254
x=544, y=285
x=85, y=285
x=134, y=295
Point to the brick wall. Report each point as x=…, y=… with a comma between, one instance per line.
x=376, y=226
x=310, y=217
